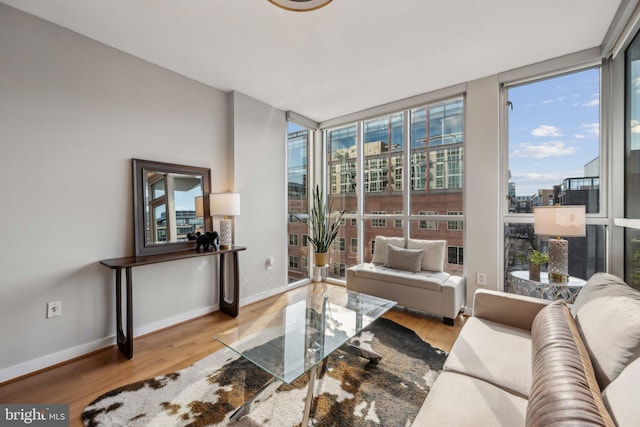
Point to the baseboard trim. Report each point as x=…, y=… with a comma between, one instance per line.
x=49, y=360
x=35, y=365
x=264, y=295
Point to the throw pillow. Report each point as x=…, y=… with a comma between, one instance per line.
x=607, y=313
x=434, y=250
x=380, y=248
x=564, y=390
x=404, y=259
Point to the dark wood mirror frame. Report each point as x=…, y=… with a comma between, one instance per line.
x=142, y=247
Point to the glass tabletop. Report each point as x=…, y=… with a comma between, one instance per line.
x=289, y=342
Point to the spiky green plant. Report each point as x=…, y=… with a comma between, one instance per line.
x=324, y=228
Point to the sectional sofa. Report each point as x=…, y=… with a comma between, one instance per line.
x=524, y=361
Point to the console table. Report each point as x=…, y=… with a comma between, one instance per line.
x=124, y=338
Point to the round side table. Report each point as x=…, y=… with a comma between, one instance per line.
x=519, y=283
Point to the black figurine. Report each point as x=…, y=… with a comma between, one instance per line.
x=207, y=239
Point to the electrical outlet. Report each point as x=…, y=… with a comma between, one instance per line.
x=54, y=309
x=269, y=263
x=481, y=279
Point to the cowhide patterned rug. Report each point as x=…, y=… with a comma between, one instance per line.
x=350, y=392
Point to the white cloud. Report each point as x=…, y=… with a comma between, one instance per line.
x=592, y=128
x=548, y=101
x=541, y=151
x=578, y=136
x=592, y=103
x=537, y=177
x=635, y=126
x=546, y=130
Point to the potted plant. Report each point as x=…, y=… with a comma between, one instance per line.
x=536, y=259
x=324, y=227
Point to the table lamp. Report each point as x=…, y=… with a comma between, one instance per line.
x=225, y=204
x=559, y=221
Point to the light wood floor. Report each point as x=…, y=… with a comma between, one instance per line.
x=80, y=381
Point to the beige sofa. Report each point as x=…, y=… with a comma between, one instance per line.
x=411, y=273
x=525, y=361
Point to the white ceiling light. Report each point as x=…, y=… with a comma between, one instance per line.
x=300, y=5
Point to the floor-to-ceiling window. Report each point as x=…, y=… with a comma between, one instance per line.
x=554, y=159
x=298, y=146
x=436, y=164
x=366, y=163
x=632, y=164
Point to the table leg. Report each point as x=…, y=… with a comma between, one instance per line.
x=265, y=391
x=124, y=339
x=230, y=308
x=310, y=391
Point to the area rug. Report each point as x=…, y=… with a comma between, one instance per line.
x=350, y=391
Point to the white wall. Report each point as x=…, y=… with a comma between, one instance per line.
x=73, y=112
x=259, y=157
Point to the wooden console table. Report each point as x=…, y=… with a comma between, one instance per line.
x=124, y=338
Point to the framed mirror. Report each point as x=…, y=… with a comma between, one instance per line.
x=170, y=205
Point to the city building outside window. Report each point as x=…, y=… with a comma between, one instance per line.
x=379, y=222
x=428, y=141
x=398, y=223
x=298, y=146
x=455, y=255
x=427, y=224
x=293, y=261
x=338, y=269
x=455, y=225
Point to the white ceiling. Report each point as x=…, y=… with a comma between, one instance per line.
x=346, y=57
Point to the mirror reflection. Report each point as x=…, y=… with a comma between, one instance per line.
x=173, y=207
x=170, y=204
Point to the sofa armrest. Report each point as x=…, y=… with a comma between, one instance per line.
x=509, y=309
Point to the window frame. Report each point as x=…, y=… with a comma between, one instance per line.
x=548, y=70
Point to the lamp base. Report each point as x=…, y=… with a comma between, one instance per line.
x=226, y=238
x=558, y=278
x=558, y=261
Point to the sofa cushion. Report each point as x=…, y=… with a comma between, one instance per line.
x=425, y=280
x=434, y=251
x=496, y=353
x=564, y=388
x=380, y=248
x=404, y=259
x=621, y=396
x=460, y=400
x=607, y=313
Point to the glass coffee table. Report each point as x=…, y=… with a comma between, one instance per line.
x=294, y=340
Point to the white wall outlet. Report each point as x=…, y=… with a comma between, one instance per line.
x=481, y=279
x=269, y=263
x=54, y=309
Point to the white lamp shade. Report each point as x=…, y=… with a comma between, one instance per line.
x=565, y=221
x=224, y=204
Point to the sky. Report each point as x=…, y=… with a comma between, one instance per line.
x=553, y=130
